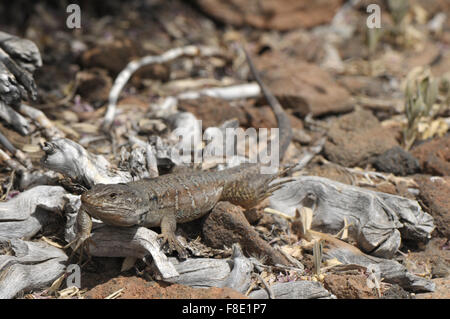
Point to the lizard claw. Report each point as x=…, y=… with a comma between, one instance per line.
x=173, y=244
x=79, y=243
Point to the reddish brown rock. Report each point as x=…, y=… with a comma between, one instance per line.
x=355, y=138
x=303, y=87
x=226, y=225
x=212, y=111
x=94, y=85
x=442, y=290
x=272, y=14
x=348, y=286
x=434, y=156
x=435, y=195
x=138, y=288
x=111, y=55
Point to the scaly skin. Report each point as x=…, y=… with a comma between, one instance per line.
x=173, y=198
x=169, y=199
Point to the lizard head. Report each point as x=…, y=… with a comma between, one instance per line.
x=115, y=204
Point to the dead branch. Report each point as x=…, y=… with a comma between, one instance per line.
x=28, y=266
x=73, y=161
x=24, y=215
x=17, y=121
x=379, y=219
x=133, y=66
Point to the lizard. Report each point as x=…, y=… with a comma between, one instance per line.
x=174, y=198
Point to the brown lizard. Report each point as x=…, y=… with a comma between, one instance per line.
x=181, y=197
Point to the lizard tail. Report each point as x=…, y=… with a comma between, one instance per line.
x=284, y=124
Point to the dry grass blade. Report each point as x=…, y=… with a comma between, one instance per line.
x=116, y=294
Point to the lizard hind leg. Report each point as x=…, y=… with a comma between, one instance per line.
x=82, y=239
x=168, y=227
x=251, y=190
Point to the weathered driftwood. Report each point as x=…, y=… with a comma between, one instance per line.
x=133, y=66
x=17, y=121
x=21, y=157
x=334, y=248
x=31, y=178
x=185, y=126
x=18, y=60
x=391, y=271
x=295, y=290
x=138, y=242
x=378, y=219
x=73, y=161
x=41, y=120
x=241, y=91
x=25, y=266
x=6, y=160
x=24, y=215
x=234, y=273
x=142, y=159
x=25, y=52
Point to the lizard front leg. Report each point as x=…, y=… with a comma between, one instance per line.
x=83, y=226
x=168, y=227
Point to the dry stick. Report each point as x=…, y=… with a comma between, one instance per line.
x=8, y=188
x=41, y=120
x=16, y=166
x=266, y=285
x=22, y=76
x=23, y=159
x=17, y=121
x=133, y=66
x=239, y=91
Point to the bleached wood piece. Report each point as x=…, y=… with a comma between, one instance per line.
x=24, y=215
x=379, y=220
x=233, y=273
x=295, y=290
x=17, y=121
x=42, y=121
x=72, y=160
x=133, y=66
x=241, y=91
x=33, y=265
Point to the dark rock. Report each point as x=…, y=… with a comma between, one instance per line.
x=397, y=161
x=434, y=156
x=396, y=292
x=348, y=286
x=303, y=87
x=226, y=225
x=355, y=138
x=272, y=14
x=435, y=195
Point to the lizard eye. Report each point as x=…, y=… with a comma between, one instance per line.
x=113, y=195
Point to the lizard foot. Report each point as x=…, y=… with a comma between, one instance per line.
x=173, y=244
x=81, y=244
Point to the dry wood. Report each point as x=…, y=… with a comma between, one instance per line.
x=241, y=91
x=41, y=120
x=28, y=265
x=73, y=161
x=378, y=219
x=391, y=271
x=133, y=66
x=294, y=290
x=24, y=215
x=17, y=121
x=109, y=241
x=234, y=273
